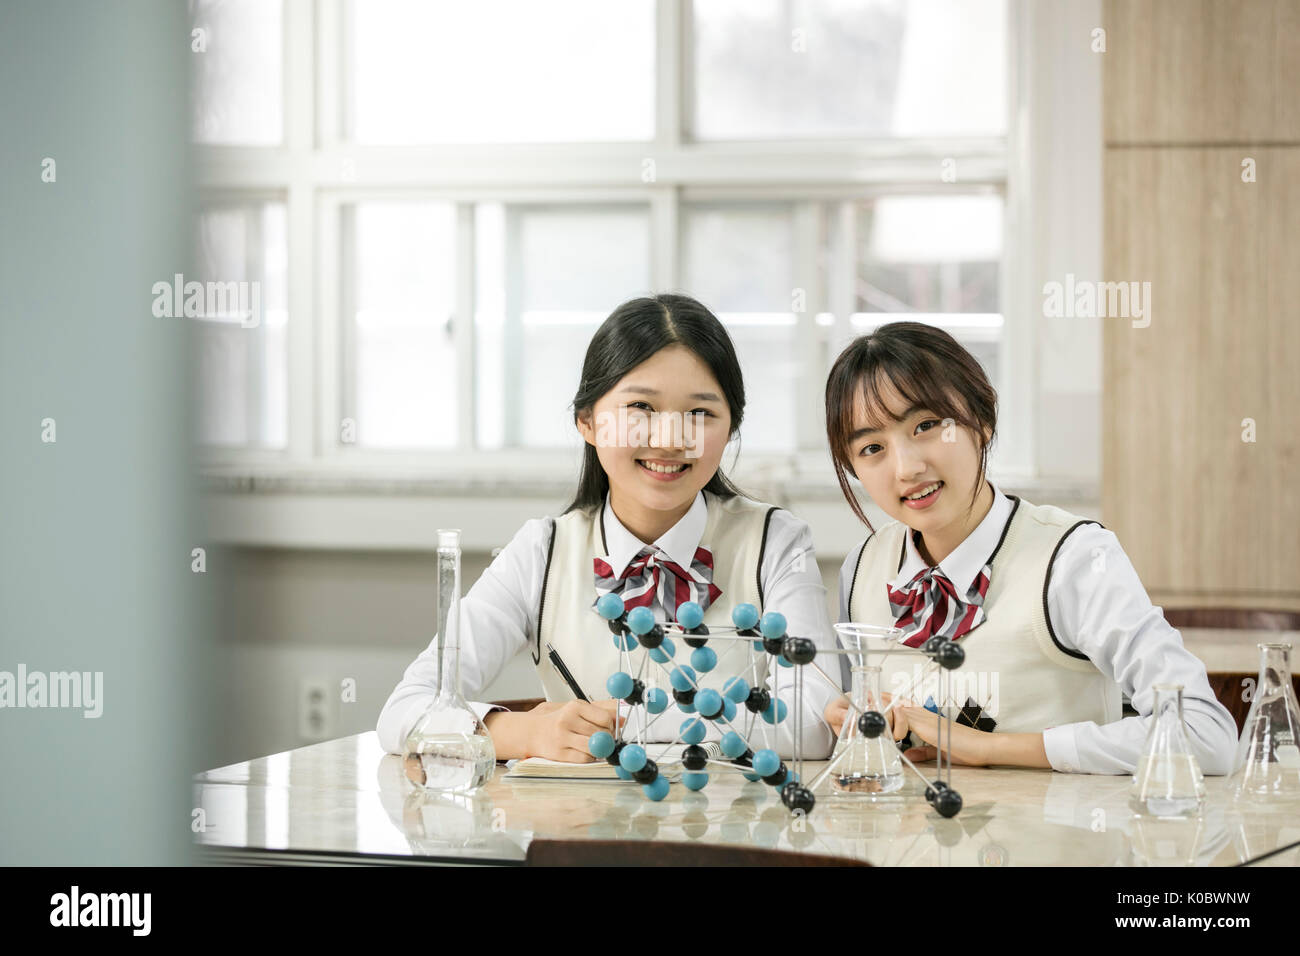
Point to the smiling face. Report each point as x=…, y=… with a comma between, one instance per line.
x=919, y=468
x=659, y=434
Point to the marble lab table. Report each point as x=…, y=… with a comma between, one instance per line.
x=346, y=801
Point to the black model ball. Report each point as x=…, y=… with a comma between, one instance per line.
x=694, y=757
x=947, y=803
x=638, y=692
x=647, y=774
x=933, y=790
x=758, y=699
x=950, y=655
x=872, y=724
x=612, y=759
x=699, y=629
x=686, y=697
x=773, y=645
x=652, y=638
x=799, y=650
x=798, y=798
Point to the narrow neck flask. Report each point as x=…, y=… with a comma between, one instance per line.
x=449, y=748
x=1168, y=781
x=871, y=765
x=1267, y=765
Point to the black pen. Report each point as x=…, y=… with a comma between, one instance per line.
x=564, y=672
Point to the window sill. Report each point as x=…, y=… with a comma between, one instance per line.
x=401, y=510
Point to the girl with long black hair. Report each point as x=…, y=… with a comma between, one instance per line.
x=654, y=520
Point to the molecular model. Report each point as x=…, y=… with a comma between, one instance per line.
x=768, y=642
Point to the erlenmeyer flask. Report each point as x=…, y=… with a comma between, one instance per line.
x=1267, y=766
x=871, y=765
x=449, y=748
x=1168, y=781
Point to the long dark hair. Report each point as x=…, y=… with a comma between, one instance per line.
x=928, y=367
x=634, y=332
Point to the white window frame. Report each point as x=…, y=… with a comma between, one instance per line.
x=317, y=171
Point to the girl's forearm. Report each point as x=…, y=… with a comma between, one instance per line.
x=511, y=734
x=1018, y=750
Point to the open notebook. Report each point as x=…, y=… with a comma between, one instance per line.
x=670, y=764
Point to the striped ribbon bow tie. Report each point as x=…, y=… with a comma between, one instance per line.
x=652, y=574
x=929, y=606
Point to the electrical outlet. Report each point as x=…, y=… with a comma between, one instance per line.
x=315, y=709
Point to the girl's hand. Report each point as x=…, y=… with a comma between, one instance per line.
x=837, y=711
x=559, y=731
x=969, y=747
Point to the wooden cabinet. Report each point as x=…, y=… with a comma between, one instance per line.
x=1208, y=516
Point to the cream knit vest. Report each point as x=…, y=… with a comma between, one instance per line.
x=1014, y=668
x=735, y=532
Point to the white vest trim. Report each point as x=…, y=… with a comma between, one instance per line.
x=1015, y=668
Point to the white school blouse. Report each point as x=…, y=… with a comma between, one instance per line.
x=1108, y=618
x=499, y=620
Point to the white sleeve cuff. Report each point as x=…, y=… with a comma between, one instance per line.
x=1062, y=749
x=482, y=710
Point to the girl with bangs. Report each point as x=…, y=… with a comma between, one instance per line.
x=1052, y=617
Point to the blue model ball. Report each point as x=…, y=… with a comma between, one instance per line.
x=683, y=678
x=752, y=777
x=658, y=790
x=736, y=688
x=656, y=700
x=744, y=616
x=619, y=685
x=772, y=625
x=690, y=615
x=695, y=781
x=640, y=620
x=664, y=652
x=704, y=659
x=733, y=745
x=610, y=607
x=780, y=659
x=709, y=703
x=600, y=744
x=693, y=730
x=632, y=758
x=728, y=709
x=777, y=706
x=624, y=642
x=622, y=774
x=766, y=762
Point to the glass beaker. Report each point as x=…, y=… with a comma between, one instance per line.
x=1267, y=764
x=1168, y=781
x=867, y=765
x=449, y=748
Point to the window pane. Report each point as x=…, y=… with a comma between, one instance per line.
x=933, y=259
x=548, y=276
x=238, y=75
x=400, y=372
x=240, y=310
x=738, y=259
x=773, y=69
x=498, y=71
